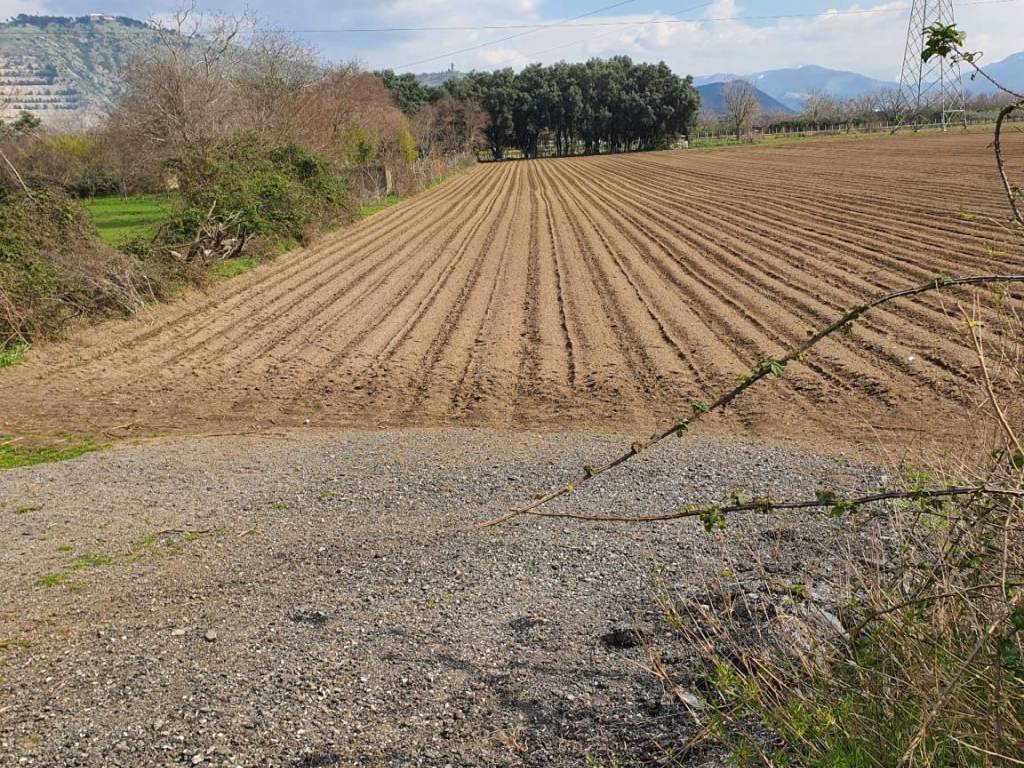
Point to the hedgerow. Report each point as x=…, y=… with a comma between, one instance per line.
x=54, y=268
x=280, y=193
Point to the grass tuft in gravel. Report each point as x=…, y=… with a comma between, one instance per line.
x=13, y=456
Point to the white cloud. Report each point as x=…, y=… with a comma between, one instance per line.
x=722, y=40
x=10, y=8
x=867, y=42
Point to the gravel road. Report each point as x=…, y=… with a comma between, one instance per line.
x=322, y=599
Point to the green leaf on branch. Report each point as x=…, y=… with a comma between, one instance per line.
x=774, y=367
x=825, y=497
x=682, y=427
x=941, y=40
x=588, y=471
x=712, y=518
x=739, y=498
x=843, y=507
x=699, y=406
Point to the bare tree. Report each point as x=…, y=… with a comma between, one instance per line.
x=820, y=108
x=888, y=104
x=180, y=91
x=707, y=120
x=742, y=106
x=859, y=109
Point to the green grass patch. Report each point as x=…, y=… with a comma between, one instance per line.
x=90, y=560
x=222, y=270
x=13, y=355
x=158, y=545
x=151, y=547
x=119, y=218
x=53, y=579
x=13, y=455
x=380, y=205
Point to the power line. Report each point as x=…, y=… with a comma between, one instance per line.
x=529, y=31
x=598, y=37
x=569, y=22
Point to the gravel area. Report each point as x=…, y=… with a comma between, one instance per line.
x=323, y=599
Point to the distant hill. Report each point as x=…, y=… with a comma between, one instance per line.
x=1009, y=72
x=66, y=68
x=711, y=99
x=793, y=86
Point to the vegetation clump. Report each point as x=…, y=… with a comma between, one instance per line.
x=54, y=269
x=280, y=192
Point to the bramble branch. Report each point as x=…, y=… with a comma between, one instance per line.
x=714, y=515
x=769, y=367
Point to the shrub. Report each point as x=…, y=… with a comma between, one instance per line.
x=357, y=146
x=280, y=193
x=406, y=144
x=54, y=269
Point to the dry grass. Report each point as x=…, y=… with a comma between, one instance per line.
x=912, y=654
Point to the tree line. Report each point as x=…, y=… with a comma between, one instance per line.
x=603, y=105
x=741, y=111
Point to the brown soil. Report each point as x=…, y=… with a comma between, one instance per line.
x=593, y=293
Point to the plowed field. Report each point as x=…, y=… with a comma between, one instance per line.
x=590, y=293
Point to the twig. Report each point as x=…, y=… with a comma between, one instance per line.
x=17, y=175
x=979, y=350
x=997, y=147
x=872, y=615
x=933, y=712
x=765, y=368
x=765, y=505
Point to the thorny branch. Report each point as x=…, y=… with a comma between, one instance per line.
x=771, y=366
x=714, y=515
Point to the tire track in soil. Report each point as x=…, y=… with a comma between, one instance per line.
x=450, y=350
x=640, y=373
x=547, y=352
x=480, y=380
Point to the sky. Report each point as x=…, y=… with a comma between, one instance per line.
x=699, y=38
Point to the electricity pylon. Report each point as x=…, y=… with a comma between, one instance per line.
x=935, y=85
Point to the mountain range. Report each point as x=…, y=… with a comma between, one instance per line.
x=712, y=99
x=59, y=66
x=791, y=87
x=1009, y=72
